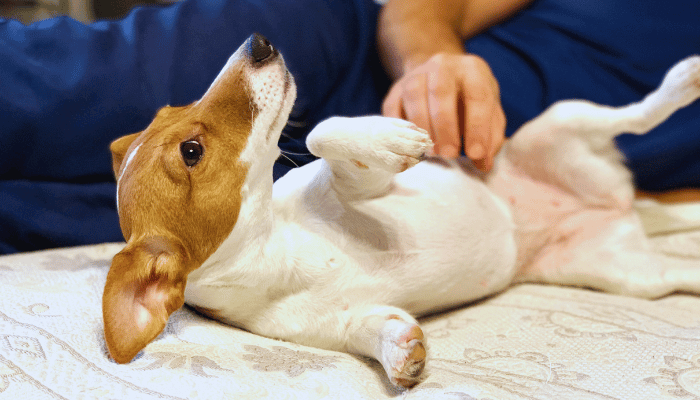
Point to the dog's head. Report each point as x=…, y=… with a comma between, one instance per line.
x=179, y=185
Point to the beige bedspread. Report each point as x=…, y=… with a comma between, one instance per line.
x=530, y=342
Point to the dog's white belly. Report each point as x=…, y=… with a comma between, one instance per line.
x=438, y=239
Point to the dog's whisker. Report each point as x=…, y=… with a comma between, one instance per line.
x=296, y=124
x=295, y=154
x=290, y=160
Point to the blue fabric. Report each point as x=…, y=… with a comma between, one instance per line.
x=68, y=89
x=40, y=214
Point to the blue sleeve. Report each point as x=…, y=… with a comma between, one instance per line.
x=68, y=89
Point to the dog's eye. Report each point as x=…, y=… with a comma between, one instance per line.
x=192, y=152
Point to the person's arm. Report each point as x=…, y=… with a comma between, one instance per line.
x=440, y=87
x=412, y=31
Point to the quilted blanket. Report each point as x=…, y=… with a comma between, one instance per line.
x=529, y=342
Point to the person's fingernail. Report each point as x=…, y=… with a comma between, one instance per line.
x=448, y=151
x=477, y=151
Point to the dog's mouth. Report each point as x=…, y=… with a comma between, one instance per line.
x=285, y=105
x=270, y=84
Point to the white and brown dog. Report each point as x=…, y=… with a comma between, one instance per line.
x=344, y=252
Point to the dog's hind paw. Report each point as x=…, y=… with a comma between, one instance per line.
x=682, y=82
x=404, y=352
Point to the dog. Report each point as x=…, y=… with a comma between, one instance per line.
x=343, y=253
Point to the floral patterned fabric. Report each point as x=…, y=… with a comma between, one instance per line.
x=529, y=342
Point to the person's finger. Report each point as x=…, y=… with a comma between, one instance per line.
x=481, y=101
x=498, y=137
x=392, y=105
x=414, y=99
x=478, y=112
x=444, y=119
x=494, y=139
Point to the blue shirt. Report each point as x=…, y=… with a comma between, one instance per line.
x=68, y=89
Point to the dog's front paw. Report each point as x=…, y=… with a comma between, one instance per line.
x=370, y=142
x=403, y=352
x=398, y=144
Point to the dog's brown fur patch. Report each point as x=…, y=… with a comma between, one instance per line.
x=174, y=216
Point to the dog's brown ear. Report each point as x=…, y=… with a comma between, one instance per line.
x=145, y=284
x=119, y=148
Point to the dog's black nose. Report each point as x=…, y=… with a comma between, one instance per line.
x=260, y=49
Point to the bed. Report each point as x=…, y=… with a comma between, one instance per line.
x=528, y=342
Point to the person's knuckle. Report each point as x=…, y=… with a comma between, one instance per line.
x=413, y=89
x=475, y=62
x=437, y=59
x=440, y=88
x=442, y=64
x=479, y=92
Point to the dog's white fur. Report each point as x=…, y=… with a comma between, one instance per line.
x=332, y=250
x=342, y=253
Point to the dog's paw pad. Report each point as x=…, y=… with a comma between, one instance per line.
x=407, y=354
x=407, y=375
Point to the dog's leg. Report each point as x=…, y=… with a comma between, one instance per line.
x=365, y=153
x=679, y=88
x=571, y=144
x=600, y=242
x=613, y=256
x=391, y=336
x=381, y=332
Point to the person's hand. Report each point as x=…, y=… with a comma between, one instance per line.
x=456, y=98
